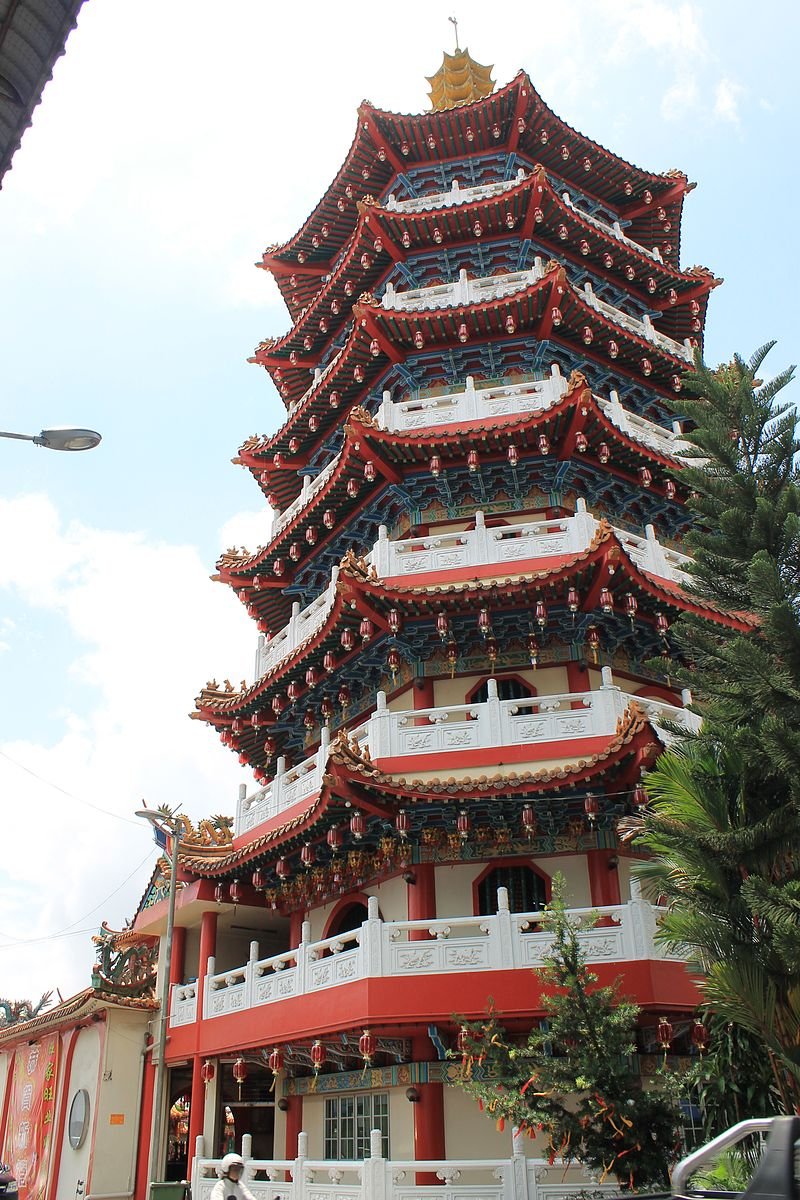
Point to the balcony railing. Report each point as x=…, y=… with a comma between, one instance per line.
x=515, y=543
x=614, y=229
x=456, y=195
x=490, y=725
x=390, y=950
x=309, y=489
x=303, y=623
x=642, y=327
x=472, y=403
x=378, y=1178
x=463, y=291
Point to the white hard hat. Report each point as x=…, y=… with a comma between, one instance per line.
x=230, y=1160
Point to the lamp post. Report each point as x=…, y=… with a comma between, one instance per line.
x=168, y=825
x=60, y=438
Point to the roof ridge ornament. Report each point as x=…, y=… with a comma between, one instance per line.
x=460, y=79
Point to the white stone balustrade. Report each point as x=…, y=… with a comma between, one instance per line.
x=309, y=489
x=472, y=403
x=614, y=229
x=506, y=544
x=456, y=195
x=287, y=788
x=301, y=625
x=385, y=949
x=663, y=441
x=378, y=1178
x=183, y=1004
x=463, y=291
x=643, y=327
x=494, y=723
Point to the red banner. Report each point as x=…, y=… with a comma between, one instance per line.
x=31, y=1116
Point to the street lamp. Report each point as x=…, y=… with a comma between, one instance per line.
x=167, y=825
x=61, y=438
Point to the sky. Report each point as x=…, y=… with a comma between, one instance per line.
x=176, y=140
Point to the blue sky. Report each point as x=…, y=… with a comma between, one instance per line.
x=177, y=139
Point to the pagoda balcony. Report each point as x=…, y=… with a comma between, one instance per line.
x=485, y=288
x=520, y=726
x=311, y=485
x=471, y=403
x=513, y=543
x=381, y=949
x=455, y=195
x=614, y=229
x=302, y=624
x=378, y=1178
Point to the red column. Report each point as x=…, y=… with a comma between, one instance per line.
x=178, y=961
x=422, y=696
x=208, y=947
x=294, y=1125
x=603, y=877
x=295, y=929
x=429, y=1140
x=145, y=1119
x=421, y=899
x=577, y=680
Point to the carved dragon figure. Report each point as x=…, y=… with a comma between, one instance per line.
x=126, y=963
x=14, y=1012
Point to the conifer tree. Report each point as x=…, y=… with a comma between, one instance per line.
x=571, y=1079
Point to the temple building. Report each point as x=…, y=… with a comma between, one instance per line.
x=475, y=559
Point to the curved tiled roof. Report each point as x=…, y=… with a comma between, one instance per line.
x=83, y=1004
x=33, y=35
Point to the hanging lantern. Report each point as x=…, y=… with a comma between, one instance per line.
x=347, y=639
x=591, y=806
x=469, y=134
x=277, y=567
x=437, y=235
x=394, y=621
x=366, y=262
x=587, y=164
x=275, y=1060
x=405, y=239
x=540, y=613
x=510, y=324
x=318, y=1056
x=669, y=488
x=452, y=657
x=294, y=445
x=639, y=796
x=587, y=335
x=312, y=676
x=662, y=625
x=365, y=629
x=556, y=316
x=282, y=869
x=664, y=1033
x=492, y=651
x=606, y=600
x=367, y=1045
x=309, y=718
x=236, y=726
x=651, y=284
x=442, y=625
x=510, y=222
x=358, y=825
x=512, y=455
x=603, y=452
x=543, y=136
x=563, y=232
x=645, y=478
x=435, y=466
x=243, y=759
x=352, y=488
x=473, y=461
x=269, y=748
x=613, y=349
x=675, y=380
x=581, y=443
x=402, y=823
x=326, y=709
x=329, y=518
x=377, y=245
x=220, y=893
x=430, y=142
x=520, y=124
x=573, y=602
x=394, y=662
x=335, y=307
x=533, y=650
x=593, y=640
x=307, y=855
x=631, y=605
x=700, y=1037
x=358, y=373
x=294, y=691
x=608, y=261
x=258, y=881
x=463, y=332
x=257, y=720
x=278, y=704
x=374, y=347
x=295, y=552
x=584, y=247
x=538, y=216
x=630, y=274
x=496, y=132
x=334, y=838
x=207, y=1071
x=419, y=340
x=484, y=623
x=528, y=820
x=463, y=825
x=404, y=149
x=463, y=1040
x=334, y=399
x=344, y=697
x=543, y=444
x=477, y=229
x=348, y=287
x=240, y=1073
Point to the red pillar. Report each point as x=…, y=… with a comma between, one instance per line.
x=577, y=680
x=177, y=964
x=421, y=899
x=208, y=949
x=294, y=1125
x=429, y=1139
x=422, y=696
x=603, y=877
x=295, y=929
x=145, y=1119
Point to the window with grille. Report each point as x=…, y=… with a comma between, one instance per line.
x=349, y=1120
x=527, y=891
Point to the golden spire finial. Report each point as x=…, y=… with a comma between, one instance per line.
x=460, y=79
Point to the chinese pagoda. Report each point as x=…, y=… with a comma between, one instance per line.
x=475, y=560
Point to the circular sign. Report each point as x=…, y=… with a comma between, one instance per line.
x=78, y=1119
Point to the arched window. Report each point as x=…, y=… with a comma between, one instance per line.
x=349, y=917
x=509, y=687
x=527, y=890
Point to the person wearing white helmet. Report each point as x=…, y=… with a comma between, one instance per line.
x=230, y=1186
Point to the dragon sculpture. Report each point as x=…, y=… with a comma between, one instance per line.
x=14, y=1012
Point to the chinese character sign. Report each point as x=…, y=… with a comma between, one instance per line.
x=31, y=1116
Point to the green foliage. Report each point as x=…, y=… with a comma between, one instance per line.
x=733, y=1080
x=724, y=823
x=572, y=1080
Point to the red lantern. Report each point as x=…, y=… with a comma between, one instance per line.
x=294, y=691
x=584, y=247
x=512, y=455
x=593, y=639
x=442, y=625
x=329, y=518
x=258, y=881
x=295, y=551
x=492, y=651
x=639, y=796
x=587, y=335
x=645, y=478
x=269, y=747
x=307, y=855
x=256, y=721
x=556, y=316
x=220, y=893
x=334, y=838
x=352, y=488
x=669, y=488
x=277, y=567
x=311, y=535
x=437, y=236
x=676, y=383
x=318, y=1056
x=326, y=708
x=543, y=444
x=367, y=1045
x=309, y=718
x=334, y=399
x=394, y=662
x=312, y=677
x=370, y=474
x=313, y=423
x=581, y=443
x=240, y=1073
x=647, y=367
x=533, y=650
x=606, y=600
x=662, y=625
x=344, y=696
x=630, y=274
x=282, y=869
x=484, y=622
x=473, y=461
x=236, y=726
x=613, y=349
x=573, y=601
x=419, y=340
x=207, y=1071
x=402, y=823
x=452, y=657
x=358, y=825
x=329, y=661
x=477, y=229
x=463, y=825
x=406, y=239
x=631, y=605
x=509, y=323
x=236, y=892
x=366, y=629
x=348, y=639
x=608, y=261
x=603, y=452
x=435, y=466
x=664, y=1034
x=591, y=806
x=374, y=347
x=699, y=1036
x=540, y=612
x=275, y=1060
x=358, y=373
x=463, y=332
x=563, y=232
x=394, y=621
x=528, y=820
x=294, y=445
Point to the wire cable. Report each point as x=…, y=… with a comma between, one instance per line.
x=78, y=799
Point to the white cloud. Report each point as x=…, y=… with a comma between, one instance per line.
x=726, y=100
x=145, y=627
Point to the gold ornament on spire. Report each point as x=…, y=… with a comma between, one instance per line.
x=459, y=79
